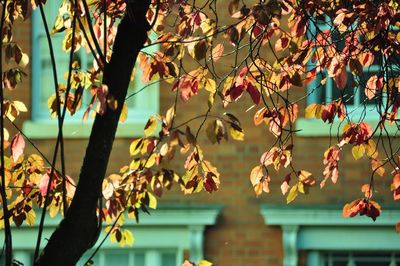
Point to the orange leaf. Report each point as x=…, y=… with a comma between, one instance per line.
x=367, y=190
x=259, y=116
x=256, y=175
x=217, y=51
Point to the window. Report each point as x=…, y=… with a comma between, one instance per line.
x=144, y=104
x=169, y=235
x=323, y=89
x=328, y=239
x=135, y=258
x=358, y=259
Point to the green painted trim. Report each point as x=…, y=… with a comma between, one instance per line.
x=77, y=130
x=348, y=238
x=317, y=128
x=173, y=226
x=273, y=215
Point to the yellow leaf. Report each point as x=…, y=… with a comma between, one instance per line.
x=134, y=165
x=150, y=126
x=170, y=115
x=301, y=188
x=358, y=151
x=30, y=217
x=24, y=60
x=204, y=263
x=135, y=146
x=210, y=100
x=292, y=194
x=124, y=113
x=53, y=210
x=211, y=85
x=152, y=201
x=371, y=150
x=256, y=175
x=313, y=111
x=129, y=239
x=150, y=161
x=236, y=133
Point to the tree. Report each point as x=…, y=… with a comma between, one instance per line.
x=273, y=46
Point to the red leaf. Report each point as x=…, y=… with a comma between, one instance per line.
x=285, y=185
x=281, y=44
x=254, y=93
x=328, y=113
x=366, y=207
x=17, y=146
x=210, y=184
x=341, y=78
x=44, y=182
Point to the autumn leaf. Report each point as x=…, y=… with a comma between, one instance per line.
x=367, y=190
x=341, y=78
x=44, y=182
x=313, y=110
x=217, y=51
x=17, y=146
x=236, y=132
x=378, y=167
x=395, y=186
x=124, y=113
x=285, y=185
x=366, y=207
x=358, y=151
x=281, y=44
x=292, y=194
x=259, y=116
x=256, y=175
x=150, y=127
x=204, y=263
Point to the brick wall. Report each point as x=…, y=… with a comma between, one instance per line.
x=240, y=236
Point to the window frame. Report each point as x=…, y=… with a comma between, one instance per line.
x=158, y=231
x=323, y=229
x=40, y=126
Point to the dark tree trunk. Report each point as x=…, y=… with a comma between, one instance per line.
x=78, y=230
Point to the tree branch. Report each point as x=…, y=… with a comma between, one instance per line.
x=77, y=232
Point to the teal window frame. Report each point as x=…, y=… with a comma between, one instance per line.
x=316, y=229
x=146, y=101
x=171, y=228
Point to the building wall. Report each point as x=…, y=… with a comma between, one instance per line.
x=240, y=236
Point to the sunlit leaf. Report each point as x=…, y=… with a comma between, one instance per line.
x=292, y=194
x=150, y=127
x=124, y=113
x=358, y=151
x=236, y=132
x=152, y=201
